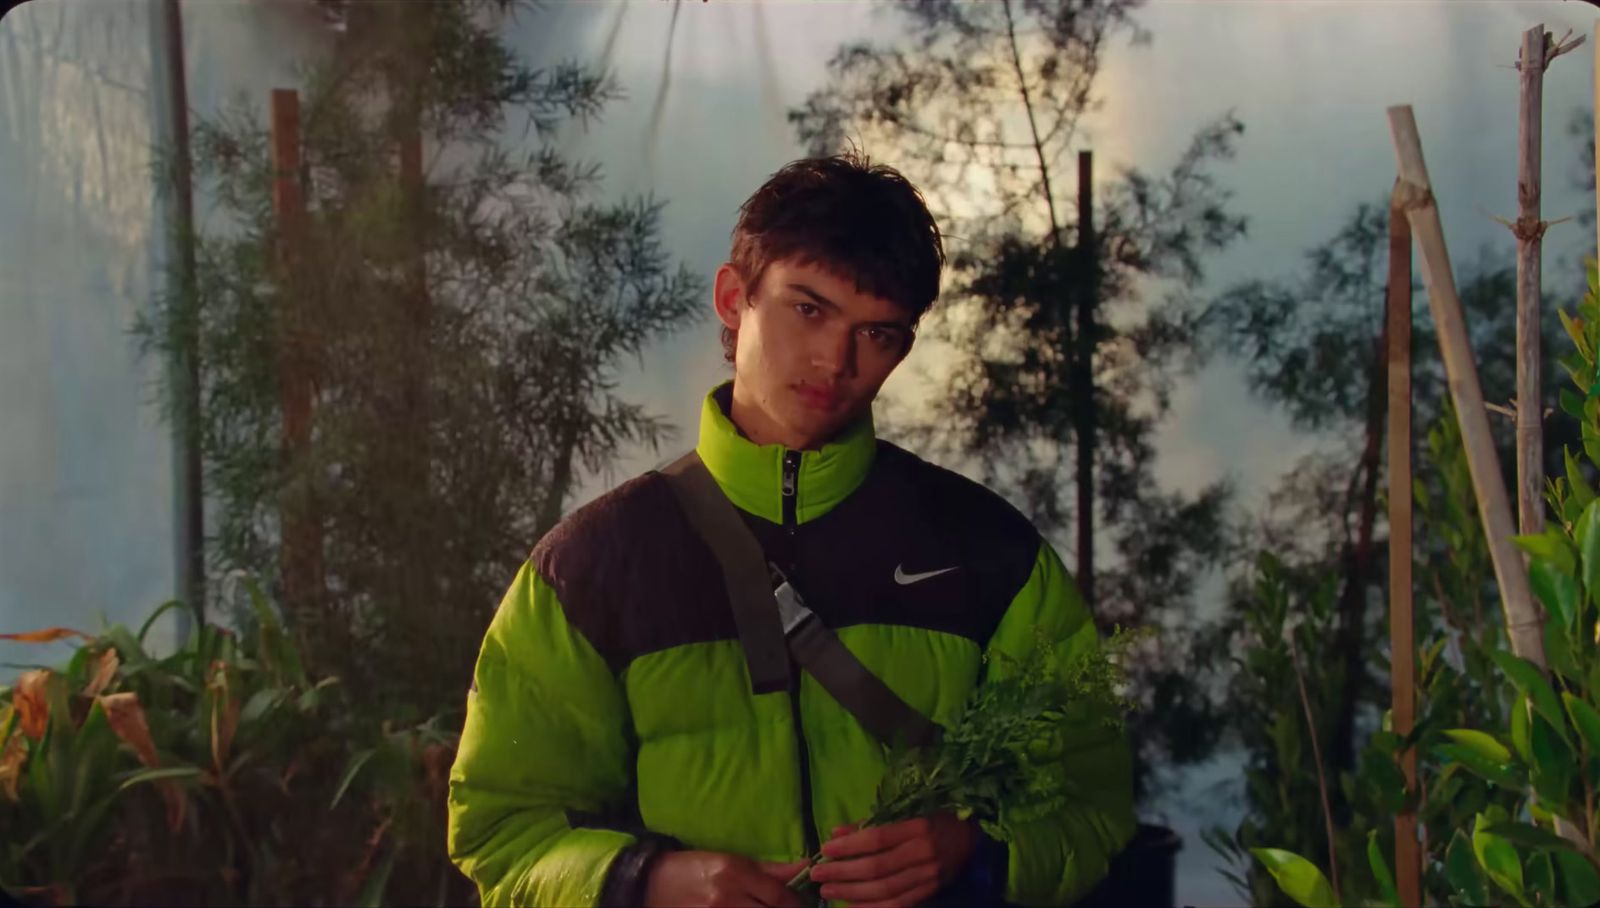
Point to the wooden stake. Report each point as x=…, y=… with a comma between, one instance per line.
x=1083, y=361
x=1528, y=230
x=301, y=556
x=1523, y=621
x=1402, y=664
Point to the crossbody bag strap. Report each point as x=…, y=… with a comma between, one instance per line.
x=764, y=615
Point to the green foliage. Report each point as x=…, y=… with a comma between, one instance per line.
x=207, y=777
x=1533, y=739
x=997, y=762
x=947, y=100
x=457, y=332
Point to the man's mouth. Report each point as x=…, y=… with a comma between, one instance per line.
x=818, y=397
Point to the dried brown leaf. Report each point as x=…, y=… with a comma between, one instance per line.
x=33, y=710
x=126, y=717
x=12, y=757
x=105, y=669
x=48, y=635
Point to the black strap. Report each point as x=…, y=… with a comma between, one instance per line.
x=762, y=614
x=744, y=570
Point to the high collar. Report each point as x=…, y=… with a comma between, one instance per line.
x=751, y=475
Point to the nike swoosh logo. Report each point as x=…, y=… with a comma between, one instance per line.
x=902, y=578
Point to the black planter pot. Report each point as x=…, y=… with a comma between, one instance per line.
x=1143, y=874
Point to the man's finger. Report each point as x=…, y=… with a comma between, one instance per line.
x=891, y=888
x=875, y=838
x=772, y=892
x=878, y=865
x=781, y=872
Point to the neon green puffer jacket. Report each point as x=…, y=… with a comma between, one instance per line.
x=611, y=713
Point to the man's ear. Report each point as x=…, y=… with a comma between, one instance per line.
x=728, y=295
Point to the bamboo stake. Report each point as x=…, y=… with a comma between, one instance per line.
x=1528, y=230
x=302, y=543
x=1402, y=664
x=1415, y=195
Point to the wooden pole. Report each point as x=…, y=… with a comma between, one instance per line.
x=301, y=556
x=189, y=506
x=1414, y=193
x=1402, y=647
x=1083, y=363
x=1528, y=230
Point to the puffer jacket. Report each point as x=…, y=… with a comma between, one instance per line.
x=611, y=714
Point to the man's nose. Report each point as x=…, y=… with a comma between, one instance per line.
x=836, y=354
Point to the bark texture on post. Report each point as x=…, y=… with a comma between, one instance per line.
x=1529, y=229
x=1402, y=646
x=1083, y=366
x=1523, y=620
x=301, y=555
x=185, y=366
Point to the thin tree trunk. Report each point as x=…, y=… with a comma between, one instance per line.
x=189, y=487
x=1083, y=370
x=1351, y=640
x=1402, y=645
x=301, y=555
x=560, y=480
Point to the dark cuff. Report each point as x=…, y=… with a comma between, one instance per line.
x=624, y=886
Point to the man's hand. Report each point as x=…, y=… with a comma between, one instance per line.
x=711, y=879
x=895, y=864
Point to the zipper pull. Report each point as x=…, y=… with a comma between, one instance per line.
x=791, y=464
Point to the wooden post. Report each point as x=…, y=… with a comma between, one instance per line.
x=301, y=556
x=1083, y=363
x=1528, y=230
x=1523, y=620
x=189, y=506
x=1402, y=647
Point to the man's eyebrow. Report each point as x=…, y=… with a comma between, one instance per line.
x=823, y=301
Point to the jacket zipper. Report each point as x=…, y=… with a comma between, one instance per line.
x=791, y=482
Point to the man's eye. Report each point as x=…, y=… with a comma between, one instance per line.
x=806, y=309
x=882, y=338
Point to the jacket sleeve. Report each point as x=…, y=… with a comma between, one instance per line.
x=545, y=738
x=1057, y=859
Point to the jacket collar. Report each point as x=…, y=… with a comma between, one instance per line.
x=751, y=475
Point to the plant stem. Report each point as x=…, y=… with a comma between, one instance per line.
x=1316, y=753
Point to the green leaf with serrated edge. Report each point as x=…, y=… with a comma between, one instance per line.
x=1498, y=859
x=1585, y=719
x=1297, y=877
x=1558, y=591
x=1580, y=883
x=1519, y=734
x=1483, y=743
x=1574, y=473
x=1526, y=835
x=1551, y=545
x=1380, y=870
x=1533, y=685
x=1499, y=773
x=1571, y=403
x=1462, y=872
x=1589, y=547
x=1553, y=762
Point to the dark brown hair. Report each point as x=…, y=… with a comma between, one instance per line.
x=860, y=220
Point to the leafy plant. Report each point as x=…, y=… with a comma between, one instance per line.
x=213, y=775
x=989, y=763
x=1539, y=759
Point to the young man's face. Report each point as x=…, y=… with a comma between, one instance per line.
x=811, y=354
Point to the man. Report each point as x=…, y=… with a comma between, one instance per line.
x=615, y=750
